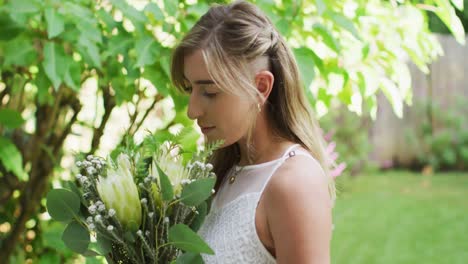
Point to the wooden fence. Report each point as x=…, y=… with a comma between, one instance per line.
x=446, y=83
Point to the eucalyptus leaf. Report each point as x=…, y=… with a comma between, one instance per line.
x=104, y=245
x=200, y=217
x=186, y=239
x=62, y=204
x=190, y=258
x=76, y=237
x=198, y=191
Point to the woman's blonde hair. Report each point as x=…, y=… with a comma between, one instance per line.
x=231, y=37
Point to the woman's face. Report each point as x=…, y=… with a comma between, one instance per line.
x=220, y=115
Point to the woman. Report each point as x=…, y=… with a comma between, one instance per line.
x=274, y=197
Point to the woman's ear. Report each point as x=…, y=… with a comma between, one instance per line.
x=264, y=81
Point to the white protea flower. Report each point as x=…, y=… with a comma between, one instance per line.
x=172, y=166
x=119, y=192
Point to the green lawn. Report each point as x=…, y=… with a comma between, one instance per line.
x=401, y=217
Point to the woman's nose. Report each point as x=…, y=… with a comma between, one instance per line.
x=194, y=110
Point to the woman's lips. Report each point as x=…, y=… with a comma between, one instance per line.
x=206, y=130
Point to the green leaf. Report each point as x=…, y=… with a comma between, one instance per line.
x=447, y=14
x=458, y=4
x=76, y=237
x=147, y=51
x=104, y=245
x=449, y=156
x=305, y=61
x=393, y=95
x=186, y=239
x=49, y=257
x=10, y=118
x=22, y=6
x=89, y=31
x=171, y=7
x=20, y=52
x=344, y=22
x=321, y=6
x=200, y=217
x=166, y=185
x=187, y=138
x=55, y=23
x=464, y=154
x=123, y=90
x=12, y=159
x=283, y=26
x=327, y=37
x=52, y=232
x=90, y=51
x=43, y=84
x=155, y=11
x=54, y=60
x=190, y=258
x=324, y=97
x=62, y=204
x=155, y=74
x=129, y=11
x=119, y=44
x=89, y=253
x=107, y=18
x=9, y=29
x=73, y=75
x=197, y=192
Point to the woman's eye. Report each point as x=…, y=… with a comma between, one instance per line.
x=210, y=95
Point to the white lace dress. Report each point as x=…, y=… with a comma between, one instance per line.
x=229, y=228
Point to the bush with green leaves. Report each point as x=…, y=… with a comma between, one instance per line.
x=52, y=52
x=350, y=132
x=440, y=140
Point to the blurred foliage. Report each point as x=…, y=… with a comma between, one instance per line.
x=53, y=52
x=341, y=125
x=441, y=138
x=437, y=25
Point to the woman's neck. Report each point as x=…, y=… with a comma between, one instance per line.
x=266, y=146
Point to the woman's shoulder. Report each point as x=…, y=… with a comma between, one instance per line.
x=298, y=208
x=299, y=177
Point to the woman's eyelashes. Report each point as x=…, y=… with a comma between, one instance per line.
x=210, y=94
x=204, y=92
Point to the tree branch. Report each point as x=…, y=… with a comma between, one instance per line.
x=109, y=104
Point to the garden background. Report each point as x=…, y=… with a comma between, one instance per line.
x=386, y=78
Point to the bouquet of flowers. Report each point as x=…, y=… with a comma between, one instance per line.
x=143, y=206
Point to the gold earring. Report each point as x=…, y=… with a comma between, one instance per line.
x=259, y=108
